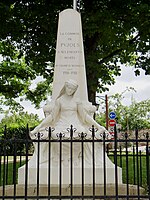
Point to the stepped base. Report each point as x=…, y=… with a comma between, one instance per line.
x=66, y=191
x=77, y=177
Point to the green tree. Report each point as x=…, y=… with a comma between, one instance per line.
x=16, y=79
x=17, y=120
x=15, y=126
x=135, y=115
x=138, y=115
x=115, y=32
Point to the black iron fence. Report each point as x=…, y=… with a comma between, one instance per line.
x=97, y=172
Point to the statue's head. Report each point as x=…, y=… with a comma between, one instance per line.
x=69, y=87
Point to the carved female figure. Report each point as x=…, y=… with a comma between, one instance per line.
x=67, y=111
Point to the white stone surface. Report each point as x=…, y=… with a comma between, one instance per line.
x=54, y=167
x=100, y=190
x=68, y=110
x=69, y=106
x=69, y=60
x=76, y=176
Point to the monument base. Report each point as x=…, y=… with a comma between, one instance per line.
x=78, y=176
x=48, y=171
x=100, y=190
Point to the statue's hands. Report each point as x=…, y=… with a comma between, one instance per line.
x=107, y=135
x=99, y=133
x=34, y=132
x=102, y=133
x=43, y=133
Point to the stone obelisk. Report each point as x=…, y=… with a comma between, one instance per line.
x=69, y=60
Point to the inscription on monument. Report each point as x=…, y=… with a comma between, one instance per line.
x=70, y=51
x=69, y=60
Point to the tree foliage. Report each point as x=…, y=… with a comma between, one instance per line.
x=136, y=115
x=18, y=120
x=115, y=32
x=15, y=126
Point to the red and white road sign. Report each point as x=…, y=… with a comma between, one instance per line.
x=112, y=122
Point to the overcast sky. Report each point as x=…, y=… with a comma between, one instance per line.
x=140, y=83
x=128, y=79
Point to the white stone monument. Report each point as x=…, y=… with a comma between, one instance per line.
x=69, y=106
x=69, y=60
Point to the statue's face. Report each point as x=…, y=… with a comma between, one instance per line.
x=70, y=90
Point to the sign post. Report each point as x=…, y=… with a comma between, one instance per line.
x=112, y=123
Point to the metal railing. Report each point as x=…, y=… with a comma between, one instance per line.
x=134, y=162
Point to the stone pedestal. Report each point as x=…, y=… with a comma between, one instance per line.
x=80, y=167
x=66, y=174
x=109, y=190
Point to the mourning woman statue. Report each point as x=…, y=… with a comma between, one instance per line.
x=67, y=111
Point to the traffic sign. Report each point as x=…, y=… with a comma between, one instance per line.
x=112, y=115
x=112, y=122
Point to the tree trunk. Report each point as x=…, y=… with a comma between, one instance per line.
x=90, y=44
x=92, y=83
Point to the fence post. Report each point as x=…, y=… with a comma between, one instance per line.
x=4, y=158
x=115, y=162
x=60, y=164
x=93, y=151
x=26, y=166
x=71, y=160
x=49, y=161
x=137, y=161
x=127, y=163
x=148, y=163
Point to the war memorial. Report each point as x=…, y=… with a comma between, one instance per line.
x=66, y=162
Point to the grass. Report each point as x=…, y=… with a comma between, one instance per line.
x=11, y=170
x=133, y=172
